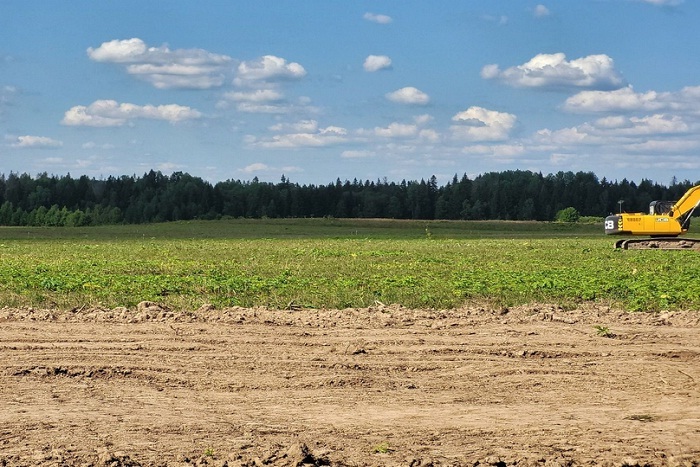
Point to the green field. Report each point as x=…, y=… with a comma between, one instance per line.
x=336, y=263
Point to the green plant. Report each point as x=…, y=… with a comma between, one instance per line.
x=382, y=448
x=604, y=331
x=567, y=215
x=209, y=452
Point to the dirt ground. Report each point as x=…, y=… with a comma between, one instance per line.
x=381, y=386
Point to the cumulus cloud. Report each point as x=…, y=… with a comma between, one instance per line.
x=541, y=11
x=106, y=113
x=305, y=133
x=377, y=62
x=40, y=142
x=409, y=95
x=553, y=71
x=267, y=69
x=396, y=130
x=303, y=126
x=415, y=132
x=376, y=18
x=657, y=124
x=258, y=95
x=627, y=131
x=162, y=67
x=265, y=101
x=480, y=124
x=627, y=100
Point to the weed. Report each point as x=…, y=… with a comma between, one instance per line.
x=641, y=417
x=382, y=448
x=604, y=331
x=209, y=452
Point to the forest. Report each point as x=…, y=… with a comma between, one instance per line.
x=51, y=200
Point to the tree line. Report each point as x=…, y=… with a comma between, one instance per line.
x=50, y=200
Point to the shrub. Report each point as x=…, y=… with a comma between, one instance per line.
x=567, y=215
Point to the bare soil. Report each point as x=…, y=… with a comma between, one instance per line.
x=381, y=386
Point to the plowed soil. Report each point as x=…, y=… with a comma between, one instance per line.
x=381, y=386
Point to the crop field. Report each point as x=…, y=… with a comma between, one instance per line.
x=331, y=263
x=323, y=342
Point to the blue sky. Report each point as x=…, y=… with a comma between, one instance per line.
x=318, y=90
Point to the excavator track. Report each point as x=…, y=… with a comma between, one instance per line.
x=661, y=243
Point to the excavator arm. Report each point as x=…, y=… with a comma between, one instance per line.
x=685, y=206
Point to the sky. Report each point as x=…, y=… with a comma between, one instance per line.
x=319, y=90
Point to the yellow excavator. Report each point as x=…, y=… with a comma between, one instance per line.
x=664, y=223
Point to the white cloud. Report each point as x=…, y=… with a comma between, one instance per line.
x=541, y=11
x=409, y=95
x=377, y=62
x=357, y=154
x=258, y=95
x=656, y=146
x=119, y=51
x=500, y=152
x=162, y=67
x=626, y=132
x=423, y=119
x=256, y=167
x=279, y=107
x=267, y=69
x=376, y=18
x=257, y=101
x=93, y=145
x=40, y=142
x=657, y=124
x=261, y=168
x=554, y=71
x=106, y=113
x=627, y=100
x=565, y=137
x=396, y=130
x=301, y=134
x=305, y=126
x=479, y=124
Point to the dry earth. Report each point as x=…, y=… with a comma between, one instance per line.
x=378, y=386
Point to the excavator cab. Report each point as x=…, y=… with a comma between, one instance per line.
x=661, y=207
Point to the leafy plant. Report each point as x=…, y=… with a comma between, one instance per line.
x=604, y=331
x=569, y=214
x=382, y=448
